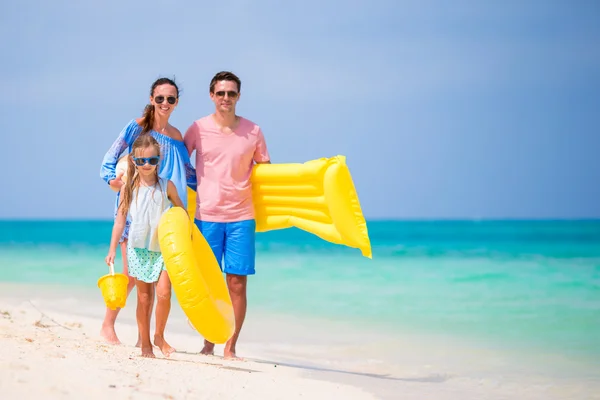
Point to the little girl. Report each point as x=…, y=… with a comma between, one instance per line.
x=145, y=197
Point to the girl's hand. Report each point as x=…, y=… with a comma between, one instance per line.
x=110, y=258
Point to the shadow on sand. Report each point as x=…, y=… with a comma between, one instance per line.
x=433, y=378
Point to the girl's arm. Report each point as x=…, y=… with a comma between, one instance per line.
x=174, y=196
x=190, y=176
x=117, y=232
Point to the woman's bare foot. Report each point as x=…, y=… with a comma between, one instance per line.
x=147, y=352
x=208, y=349
x=109, y=334
x=161, y=343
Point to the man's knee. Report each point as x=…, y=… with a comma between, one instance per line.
x=237, y=284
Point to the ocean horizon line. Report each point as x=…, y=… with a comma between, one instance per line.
x=368, y=220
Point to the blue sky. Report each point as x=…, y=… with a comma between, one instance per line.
x=458, y=109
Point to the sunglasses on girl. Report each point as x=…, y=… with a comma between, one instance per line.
x=231, y=93
x=140, y=161
x=160, y=99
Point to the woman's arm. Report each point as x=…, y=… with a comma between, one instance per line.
x=174, y=196
x=109, y=162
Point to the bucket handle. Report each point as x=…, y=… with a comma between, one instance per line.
x=111, y=267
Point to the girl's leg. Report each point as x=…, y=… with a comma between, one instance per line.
x=163, y=307
x=108, y=325
x=144, y=296
x=139, y=341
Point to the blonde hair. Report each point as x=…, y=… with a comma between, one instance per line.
x=143, y=142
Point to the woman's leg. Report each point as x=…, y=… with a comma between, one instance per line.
x=163, y=307
x=108, y=325
x=144, y=305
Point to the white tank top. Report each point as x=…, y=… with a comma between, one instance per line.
x=147, y=206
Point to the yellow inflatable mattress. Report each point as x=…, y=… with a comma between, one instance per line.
x=317, y=196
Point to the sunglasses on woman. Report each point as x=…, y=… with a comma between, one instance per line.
x=160, y=99
x=140, y=161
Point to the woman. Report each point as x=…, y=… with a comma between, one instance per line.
x=175, y=166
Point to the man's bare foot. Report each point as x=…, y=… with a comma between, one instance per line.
x=208, y=349
x=161, y=343
x=109, y=334
x=147, y=352
x=229, y=354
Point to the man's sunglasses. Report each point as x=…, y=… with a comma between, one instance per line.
x=160, y=99
x=231, y=93
x=140, y=161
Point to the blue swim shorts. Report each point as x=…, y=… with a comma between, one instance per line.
x=233, y=242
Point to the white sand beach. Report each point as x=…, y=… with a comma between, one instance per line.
x=51, y=350
x=61, y=357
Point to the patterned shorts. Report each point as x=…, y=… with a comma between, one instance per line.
x=144, y=264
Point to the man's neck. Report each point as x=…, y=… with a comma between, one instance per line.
x=226, y=120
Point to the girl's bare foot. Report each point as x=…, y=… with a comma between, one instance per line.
x=147, y=352
x=161, y=343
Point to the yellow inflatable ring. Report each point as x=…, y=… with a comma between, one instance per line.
x=195, y=276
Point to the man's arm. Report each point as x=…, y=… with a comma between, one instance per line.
x=190, y=137
x=261, y=153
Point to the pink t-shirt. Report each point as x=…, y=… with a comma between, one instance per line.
x=223, y=168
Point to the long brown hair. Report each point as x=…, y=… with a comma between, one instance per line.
x=133, y=178
x=148, y=115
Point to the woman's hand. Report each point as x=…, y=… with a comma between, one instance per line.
x=117, y=182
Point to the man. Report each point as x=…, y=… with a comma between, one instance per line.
x=227, y=146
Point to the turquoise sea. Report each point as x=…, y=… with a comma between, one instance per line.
x=519, y=286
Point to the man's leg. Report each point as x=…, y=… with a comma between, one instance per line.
x=214, y=233
x=239, y=263
x=237, y=291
